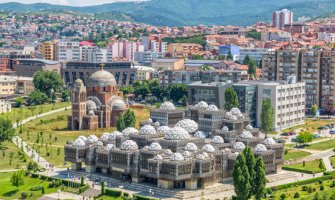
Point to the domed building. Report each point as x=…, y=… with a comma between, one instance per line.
x=97, y=104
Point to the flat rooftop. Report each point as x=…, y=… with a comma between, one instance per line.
x=48, y=62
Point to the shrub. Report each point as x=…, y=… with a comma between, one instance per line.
x=283, y=196
x=43, y=190
x=322, y=187
x=320, y=181
x=83, y=188
x=24, y=195
x=304, y=182
x=332, y=185
x=138, y=197
x=269, y=191
x=296, y=195
x=310, y=190
x=35, y=175
x=304, y=188
x=36, y=188
x=125, y=194
x=112, y=193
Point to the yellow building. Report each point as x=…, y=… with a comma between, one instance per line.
x=184, y=50
x=16, y=85
x=48, y=50
x=7, y=85
x=168, y=64
x=25, y=85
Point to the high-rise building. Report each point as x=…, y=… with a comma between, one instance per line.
x=67, y=51
x=282, y=17
x=48, y=50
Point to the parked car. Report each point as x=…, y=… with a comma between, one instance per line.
x=295, y=140
x=316, y=136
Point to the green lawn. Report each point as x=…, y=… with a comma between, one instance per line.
x=310, y=167
x=6, y=149
x=332, y=160
x=28, y=111
x=310, y=124
x=295, y=154
x=7, y=191
x=321, y=146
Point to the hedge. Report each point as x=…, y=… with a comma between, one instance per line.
x=139, y=197
x=113, y=193
x=83, y=188
x=302, y=170
x=64, y=182
x=303, y=182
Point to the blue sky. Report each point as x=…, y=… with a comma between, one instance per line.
x=67, y=2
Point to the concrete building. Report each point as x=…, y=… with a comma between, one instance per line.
x=124, y=50
x=67, y=51
x=48, y=50
x=8, y=85
x=232, y=49
x=144, y=73
x=253, y=53
x=25, y=85
x=217, y=64
x=327, y=37
x=5, y=106
x=28, y=67
x=124, y=72
x=7, y=58
x=148, y=56
x=247, y=100
x=16, y=85
x=296, y=27
x=282, y=17
x=184, y=50
x=168, y=64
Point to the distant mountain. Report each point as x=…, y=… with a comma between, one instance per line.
x=191, y=12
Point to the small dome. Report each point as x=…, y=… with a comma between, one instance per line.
x=91, y=105
x=79, y=82
x=130, y=130
x=200, y=134
x=235, y=111
x=212, y=108
x=191, y=147
x=225, y=128
x=205, y=154
x=168, y=152
x=129, y=145
x=177, y=133
x=218, y=140
x=104, y=136
x=110, y=147
x=167, y=106
x=201, y=104
x=269, y=141
x=147, y=130
x=155, y=147
x=176, y=157
x=91, y=139
x=239, y=146
x=119, y=105
x=113, y=135
x=158, y=157
x=101, y=78
x=208, y=148
x=201, y=157
x=163, y=130
x=79, y=142
x=189, y=125
x=187, y=154
x=246, y=135
x=91, y=113
x=150, y=120
x=249, y=127
x=99, y=143
x=157, y=124
x=260, y=148
x=82, y=137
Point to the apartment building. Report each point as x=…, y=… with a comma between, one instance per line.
x=247, y=100
x=48, y=50
x=8, y=85
x=282, y=17
x=183, y=50
x=253, y=53
x=67, y=51
x=144, y=73
x=327, y=81
x=168, y=64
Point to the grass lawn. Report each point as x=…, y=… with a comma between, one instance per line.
x=332, y=160
x=295, y=154
x=28, y=111
x=310, y=167
x=321, y=146
x=310, y=124
x=7, y=191
x=6, y=149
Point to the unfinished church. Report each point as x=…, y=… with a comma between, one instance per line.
x=176, y=148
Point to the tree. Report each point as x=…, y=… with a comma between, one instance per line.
x=252, y=68
x=184, y=100
x=141, y=89
x=250, y=163
x=82, y=181
x=19, y=102
x=6, y=130
x=177, y=91
x=321, y=164
x=120, y=122
x=246, y=60
x=37, y=97
x=259, y=181
x=314, y=110
x=66, y=95
x=241, y=178
x=47, y=82
x=230, y=98
x=229, y=56
x=17, y=178
x=102, y=188
x=267, y=115
x=127, y=90
x=129, y=119
x=221, y=57
x=305, y=137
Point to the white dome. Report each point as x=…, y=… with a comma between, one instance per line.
x=177, y=133
x=191, y=147
x=158, y=157
x=113, y=135
x=233, y=118
x=168, y=152
x=82, y=137
x=104, y=136
x=249, y=127
x=167, y=106
x=205, y=154
x=246, y=135
x=130, y=130
x=91, y=113
x=201, y=104
x=208, y=148
x=99, y=143
x=91, y=139
x=155, y=147
x=201, y=156
x=176, y=157
x=187, y=154
x=239, y=146
x=225, y=128
x=129, y=145
x=212, y=108
x=241, y=116
x=235, y=111
x=79, y=142
x=189, y=125
x=150, y=120
x=91, y=105
x=157, y=124
x=269, y=141
x=200, y=134
x=260, y=148
x=147, y=130
x=110, y=146
x=163, y=130
x=218, y=140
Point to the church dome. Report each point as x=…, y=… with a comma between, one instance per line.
x=79, y=83
x=91, y=105
x=119, y=105
x=101, y=78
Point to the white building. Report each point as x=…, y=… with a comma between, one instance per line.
x=124, y=50
x=327, y=37
x=282, y=17
x=144, y=72
x=5, y=106
x=147, y=56
x=67, y=51
x=253, y=53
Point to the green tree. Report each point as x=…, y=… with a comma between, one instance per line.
x=229, y=56
x=6, y=130
x=66, y=95
x=321, y=164
x=120, y=125
x=252, y=68
x=184, y=100
x=221, y=57
x=17, y=178
x=314, y=110
x=127, y=90
x=19, y=102
x=241, y=178
x=102, y=188
x=37, y=97
x=177, y=91
x=129, y=119
x=305, y=137
x=230, y=98
x=48, y=82
x=259, y=181
x=141, y=89
x=267, y=115
x=82, y=181
x=250, y=163
x=196, y=57
x=246, y=60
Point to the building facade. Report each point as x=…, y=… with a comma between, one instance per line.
x=168, y=64
x=5, y=106
x=184, y=50
x=282, y=17
x=28, y=67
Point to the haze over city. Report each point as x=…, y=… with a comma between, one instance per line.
x=69, y=2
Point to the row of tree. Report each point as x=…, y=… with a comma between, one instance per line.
x=126, y=120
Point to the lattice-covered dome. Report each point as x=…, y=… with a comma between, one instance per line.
x=246, y=135
x=191, y=147
x=99, y=143
x=239, y=146
x=208, y=148
x=200, y=134
x=168, y=152
x=177, y=157
x=79, y=142
x=189, y=125
x=177, y=133
x=269, y=141
x=130, y=130
x=91, y=105
x=104, y=136
x=225, y=128
x=167, y=106
x=212, y=108
x=260, y=148
x=82, y=137
x=201, y=104
x=163, y=130
x=235, y=111
x=249, y=127
x=200, y=156
x=218, y=140
x=150, y=120
x=129, y=145
x=155, y=147
x=147, y=130
x=91, y=139
x=157, y=124
x=187, y=154
x=205, y=154
x=158, y=157
x=114, y=134
x=110, y=147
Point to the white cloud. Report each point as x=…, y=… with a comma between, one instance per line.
x=68, y=2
